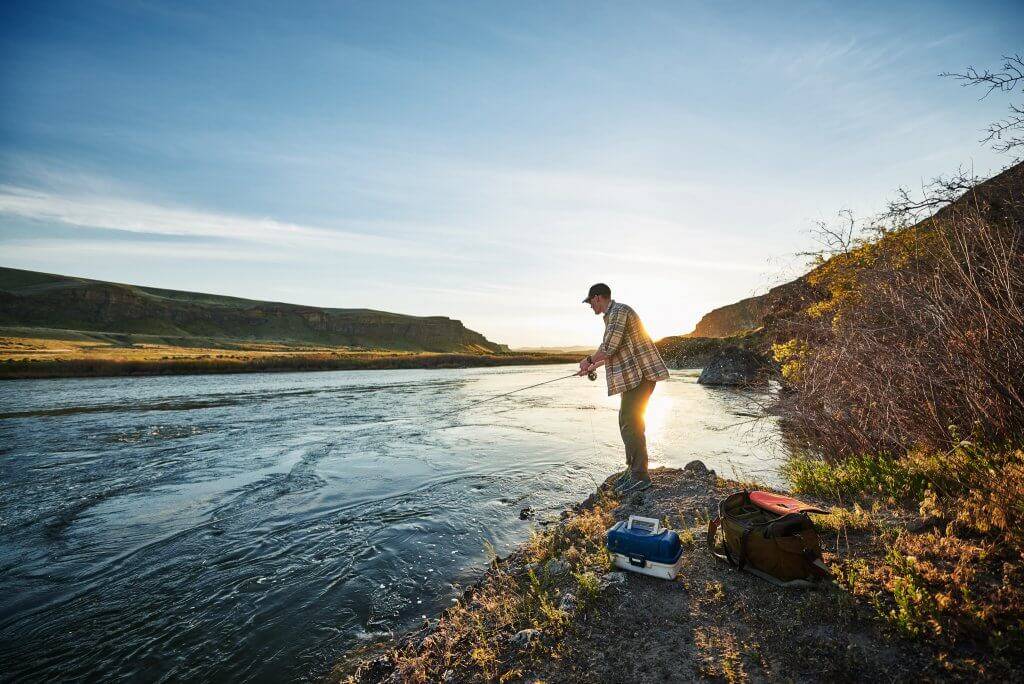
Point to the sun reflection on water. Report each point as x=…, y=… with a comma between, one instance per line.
x=658, y=411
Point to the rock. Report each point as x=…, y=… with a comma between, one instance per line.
x=568, y=604
x=526, y=513
x=732, y=366
x=375, y=670
x=613, y=579
x=524, y=638
x=696, y=468
x=556, y=567
x=448, y=676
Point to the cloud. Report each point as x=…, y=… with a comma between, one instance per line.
x=57, y=248
x=637, y=258
x=133, y=216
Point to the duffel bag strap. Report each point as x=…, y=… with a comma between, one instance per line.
x=712, y=533
x=743, y=547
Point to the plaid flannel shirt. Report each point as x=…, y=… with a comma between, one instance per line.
x=632, y=356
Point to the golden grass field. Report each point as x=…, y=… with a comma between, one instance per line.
x=29, y=357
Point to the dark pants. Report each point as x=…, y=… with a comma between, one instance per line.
x=632, y=426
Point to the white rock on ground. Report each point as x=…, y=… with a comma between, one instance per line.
x=523, y=638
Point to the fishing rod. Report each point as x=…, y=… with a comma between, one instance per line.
x=591, y=375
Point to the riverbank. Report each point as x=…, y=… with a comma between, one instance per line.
x=554, y=611
x=22, y=357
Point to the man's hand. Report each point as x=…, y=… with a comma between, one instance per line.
x=585, y=368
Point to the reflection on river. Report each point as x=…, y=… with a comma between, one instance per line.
x=258, y=526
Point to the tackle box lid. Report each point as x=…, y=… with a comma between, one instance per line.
x=644, y=538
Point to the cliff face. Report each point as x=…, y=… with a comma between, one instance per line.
x=38, y=300
x=731, y=319
x=755, y=312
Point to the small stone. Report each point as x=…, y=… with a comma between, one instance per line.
x=613, y=579
x=568, y=604
x=377, y=669
x=524, y=638
x=448, y=676
x=556, y=567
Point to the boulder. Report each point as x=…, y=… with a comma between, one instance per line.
x=696, y=468
x=732, y=366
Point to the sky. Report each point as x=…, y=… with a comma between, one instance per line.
x=480, y=160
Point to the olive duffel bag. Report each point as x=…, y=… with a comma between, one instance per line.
x=770, y=536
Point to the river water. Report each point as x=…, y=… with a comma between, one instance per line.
x=256, y=527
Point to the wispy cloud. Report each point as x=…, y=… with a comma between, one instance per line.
x=51, y=248
x=134, y=216
x=666, y=260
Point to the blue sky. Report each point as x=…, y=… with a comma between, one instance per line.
x=485, y=161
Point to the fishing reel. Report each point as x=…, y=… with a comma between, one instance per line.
x=592, y=375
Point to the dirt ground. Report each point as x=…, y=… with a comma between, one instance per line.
x=712, y=623
x=717, y=623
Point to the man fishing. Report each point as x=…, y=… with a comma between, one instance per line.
x=633, y=366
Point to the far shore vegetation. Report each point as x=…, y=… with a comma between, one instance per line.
x=46, y=357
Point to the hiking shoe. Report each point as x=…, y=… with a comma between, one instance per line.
x=637, y=484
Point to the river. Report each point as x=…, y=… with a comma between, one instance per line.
x=256, y=527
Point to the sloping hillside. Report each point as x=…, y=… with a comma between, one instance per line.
x=786, y=299
x=750, y=313
x=31, y=300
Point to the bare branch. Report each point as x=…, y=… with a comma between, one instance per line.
x=941, y=191
x=1010, y=77
x=1007, y=134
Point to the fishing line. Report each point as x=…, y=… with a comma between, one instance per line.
x=592, y=375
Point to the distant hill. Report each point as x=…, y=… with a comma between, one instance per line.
x=582, y=349
x=54, y=303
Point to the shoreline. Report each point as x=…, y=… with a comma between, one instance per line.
x=555, y=610
x=29, y=369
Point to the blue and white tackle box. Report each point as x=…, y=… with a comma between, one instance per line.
x=643, y=545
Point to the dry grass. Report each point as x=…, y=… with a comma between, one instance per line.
x=473, y=638
x=42, y=358
x=920, y=339
x=955, y=578
x=907, y=383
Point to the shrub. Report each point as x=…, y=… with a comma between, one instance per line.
x=920, y=335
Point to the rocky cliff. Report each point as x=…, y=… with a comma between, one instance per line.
x=41, y=300
x=754, y=312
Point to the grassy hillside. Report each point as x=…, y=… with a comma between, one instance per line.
x=905, y=382
x=54, y=303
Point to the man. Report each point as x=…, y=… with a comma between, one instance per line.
x=633, y=366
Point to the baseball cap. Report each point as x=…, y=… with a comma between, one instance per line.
x=598, y=289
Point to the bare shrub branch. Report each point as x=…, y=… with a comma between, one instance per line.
x=1006, y=134
x=920, y=340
